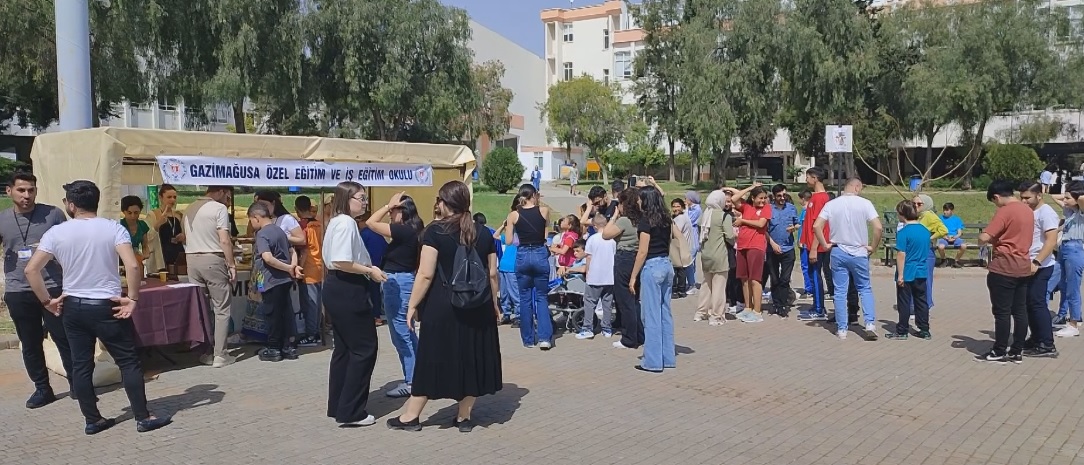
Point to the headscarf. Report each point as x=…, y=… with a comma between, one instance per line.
x=716, y=200
x=693, y=197
x=927, y=202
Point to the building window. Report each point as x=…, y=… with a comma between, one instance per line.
x=623, y=64
x=606, y=76
x=568, y=71
x=566, y=30
x=605, y=39
x=539, y=160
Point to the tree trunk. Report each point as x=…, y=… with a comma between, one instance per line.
x=239, y=118
x=852, y=171
x=973, y=155
x=601, y=167
x=929, y=157
x=694, y=152
x=718, y=165
x=670, y=141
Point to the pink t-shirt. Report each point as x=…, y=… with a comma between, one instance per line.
x=750, y=237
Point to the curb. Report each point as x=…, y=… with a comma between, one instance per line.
x=8, y=341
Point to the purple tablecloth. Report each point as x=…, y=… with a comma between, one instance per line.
x=171, y=315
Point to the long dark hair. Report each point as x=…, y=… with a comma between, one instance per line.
x=629, y=201
x=276, y=199
x=409, y=211
x=654, y=208
x=456, y=197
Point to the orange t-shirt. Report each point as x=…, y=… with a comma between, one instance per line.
x=1010, y=233
x=313, y=265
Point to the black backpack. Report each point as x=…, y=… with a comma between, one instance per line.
x=469, y=284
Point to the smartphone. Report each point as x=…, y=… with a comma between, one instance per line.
x=632, y=181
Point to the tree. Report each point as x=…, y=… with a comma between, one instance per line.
x=641, y=153
x=488, y=113
x=400, y=70
x=502, y=169
x=1010, y=162
x=28, y=81
x=583, y=111
x=659, y=67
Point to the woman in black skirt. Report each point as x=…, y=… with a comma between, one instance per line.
x=459, y=353
x=346, y=301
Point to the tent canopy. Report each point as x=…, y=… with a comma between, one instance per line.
x=114, y=157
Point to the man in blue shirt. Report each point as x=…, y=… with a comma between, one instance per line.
x=781, y=229
x=955, y=227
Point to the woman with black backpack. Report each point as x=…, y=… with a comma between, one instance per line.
x=459, y=353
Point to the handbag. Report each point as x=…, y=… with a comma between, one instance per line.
x=680, y=255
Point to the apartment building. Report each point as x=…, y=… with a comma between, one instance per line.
x=600, y=40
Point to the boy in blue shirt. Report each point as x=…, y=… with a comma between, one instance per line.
x=578, y=268
x=509, y=287
x=913, y=245
x=955, y=227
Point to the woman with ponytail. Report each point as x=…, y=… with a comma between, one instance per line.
x=459, y=353
x=528, y=223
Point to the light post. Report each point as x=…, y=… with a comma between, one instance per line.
x=73, y=64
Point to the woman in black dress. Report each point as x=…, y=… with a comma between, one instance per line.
x=459, y=353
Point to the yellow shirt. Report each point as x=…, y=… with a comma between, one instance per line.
x=933, y=223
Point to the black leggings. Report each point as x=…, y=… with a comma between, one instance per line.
x=628, y=305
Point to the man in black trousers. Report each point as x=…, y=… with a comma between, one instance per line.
x=21, y=228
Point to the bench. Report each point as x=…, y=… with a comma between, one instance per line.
x=970, y=236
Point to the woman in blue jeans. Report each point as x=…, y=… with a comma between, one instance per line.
x=1071, y=258
x=400, y=263
x=656, y=275
x=528, y=222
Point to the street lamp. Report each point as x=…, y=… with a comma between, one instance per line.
x=73, y=64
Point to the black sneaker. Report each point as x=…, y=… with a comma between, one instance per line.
x=896, y=336
x=1059, y=320
x=270, y=355
x=515, y=322
x=991, y=356
x=925, y=334
x=957, y=264
x=396, y=423
x=40, y=398
x=289, y=353
x=1030, y=344
x=151, y=424
x=101, y=425
x=1037, y=352
x=1014, y=357
x=309, y=341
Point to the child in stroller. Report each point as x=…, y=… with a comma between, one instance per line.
x=566, y=292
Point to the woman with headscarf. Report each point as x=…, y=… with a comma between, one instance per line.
x=692, y=209
x=716, y=231
x=937, y=229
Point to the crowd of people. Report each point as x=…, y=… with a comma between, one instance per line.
x=459, y=280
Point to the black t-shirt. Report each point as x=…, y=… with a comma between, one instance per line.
x=659, y=246
x=402, y=253
x=446, y=244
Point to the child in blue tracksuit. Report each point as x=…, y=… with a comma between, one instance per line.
x=913, y=245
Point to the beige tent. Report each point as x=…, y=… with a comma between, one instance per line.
x=115, y=157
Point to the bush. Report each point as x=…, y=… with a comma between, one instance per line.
x=1011, y=162
x=502, y=170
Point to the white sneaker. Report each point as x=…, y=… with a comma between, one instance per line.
x=716, y=322
x=691, y=291
x=733, y=310
x=1067, y=331
x=619, y=345
x=871, y=328
x=545, y=345
x=698, y=317
x=207, y=359
x=842, y=334
x=402, y=390
x=585, y=334
x=220, y=362
x=368, y=421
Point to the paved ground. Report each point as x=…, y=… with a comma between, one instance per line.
x=780, y=392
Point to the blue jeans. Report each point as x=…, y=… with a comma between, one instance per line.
x=656, y=284
x=1055, y=280
x=690, y=272
x=846, y=267
x=533, y=275
x=1038, y=313
x=1071, y=259
x=310, y=298
x=816, y=278
x=509, y=294
x=396, y=297
x=807, y=280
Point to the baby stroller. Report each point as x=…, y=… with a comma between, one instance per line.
x=566, y=302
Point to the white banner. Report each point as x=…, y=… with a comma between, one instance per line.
x=262, y=172
x=838, y=138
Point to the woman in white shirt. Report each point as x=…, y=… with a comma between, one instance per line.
x=346, y=301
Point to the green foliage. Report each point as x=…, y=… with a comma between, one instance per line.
x=583, y=111
x=488, y=111
x=502, y=170
x=794, y=171
x=10, y=167
x=1012, y=162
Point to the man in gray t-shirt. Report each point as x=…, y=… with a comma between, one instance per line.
x=21, y=228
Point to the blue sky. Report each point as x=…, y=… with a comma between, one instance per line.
x=517, y=20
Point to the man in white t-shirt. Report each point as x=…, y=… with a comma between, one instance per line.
x=600, y=281
x=208, y=250
x=88, y=249
x=847, y=217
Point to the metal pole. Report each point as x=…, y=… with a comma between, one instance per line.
x=73, y=64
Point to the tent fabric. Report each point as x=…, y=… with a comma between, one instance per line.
x=114, y=157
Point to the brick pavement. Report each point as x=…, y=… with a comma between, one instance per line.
x=781, y=392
